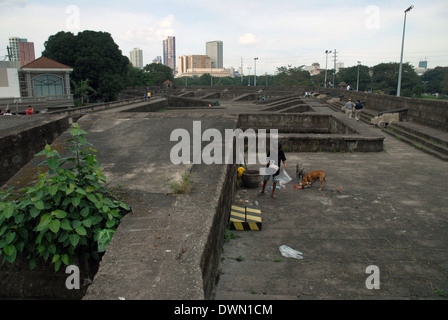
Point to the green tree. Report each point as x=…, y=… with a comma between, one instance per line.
x=297, y=76
x=350, y=76
x=61, y=47
x=205, y=79
x=92, y=55
x=318, y=80
x=385, y=78
x=137, y=77
x=436, y=80
x=225, y=81
x=158, y=73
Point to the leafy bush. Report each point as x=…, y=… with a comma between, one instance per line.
x=66, y=216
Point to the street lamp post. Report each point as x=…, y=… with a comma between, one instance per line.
x=334, y=71
x=211, y=72
x=357, y=81
x=326, y=67
x=255, y=72
x=402, y=47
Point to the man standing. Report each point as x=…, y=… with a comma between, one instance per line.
x=349, y=108
x=275, y=157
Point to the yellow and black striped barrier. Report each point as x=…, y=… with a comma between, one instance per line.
x=245, y=218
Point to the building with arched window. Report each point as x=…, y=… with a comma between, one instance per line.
x=45, y=77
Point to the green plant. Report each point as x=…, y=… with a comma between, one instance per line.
x=229, y=235
x=277, y=259
x=66, y=216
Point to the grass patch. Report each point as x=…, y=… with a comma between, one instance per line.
x=183, y=187
x=229, y=235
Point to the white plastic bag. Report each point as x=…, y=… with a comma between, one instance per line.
x=273, y=166
x=283, y=177
x=290, y=253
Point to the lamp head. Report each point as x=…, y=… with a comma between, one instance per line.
x=409, y=9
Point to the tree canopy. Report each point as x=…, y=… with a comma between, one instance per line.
x=296, y=76
x=436, y=80
x=94, y=56
x=385, y=78
x=158, y=73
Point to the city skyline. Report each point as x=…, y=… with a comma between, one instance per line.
x=281, y=33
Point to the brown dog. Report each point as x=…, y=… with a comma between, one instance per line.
x=312, y=176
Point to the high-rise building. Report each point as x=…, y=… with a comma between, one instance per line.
x=21, y=50
x=423, y=64
x=189, y=63
x=169, y=52
x=136, y=57
x=214, y=49
x=422, y=67
x=198, y=65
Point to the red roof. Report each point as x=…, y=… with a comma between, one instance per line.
x=45, y=63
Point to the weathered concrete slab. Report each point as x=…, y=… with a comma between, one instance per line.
x=386, y=209
x=161, y=250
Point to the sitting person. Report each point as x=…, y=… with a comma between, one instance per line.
x=29, y=110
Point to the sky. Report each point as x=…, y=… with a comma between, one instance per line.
x=277, y=32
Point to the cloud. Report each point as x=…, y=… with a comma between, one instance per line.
x=13, y=3
x=249, y=39
x=156, y=32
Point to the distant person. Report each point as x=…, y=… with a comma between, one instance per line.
x=349, y=108
x=275, y=157
x=7, y=112
x=348, y=87
x=358, y=107
x=149, y=95
x=29, y=110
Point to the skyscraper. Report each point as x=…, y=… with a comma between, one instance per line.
x=21, y=50
x=214, y=49
x=136, y=57
x=169, y=52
